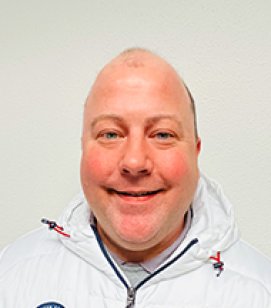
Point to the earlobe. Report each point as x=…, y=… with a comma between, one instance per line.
x=198, y=145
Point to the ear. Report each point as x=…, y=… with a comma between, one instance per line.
x=198, y=145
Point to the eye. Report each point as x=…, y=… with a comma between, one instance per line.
x=110, y=135
x=164, y=135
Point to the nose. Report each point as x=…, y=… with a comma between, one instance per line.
x=135, y=161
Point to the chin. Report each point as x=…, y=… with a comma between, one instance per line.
x=139, y=238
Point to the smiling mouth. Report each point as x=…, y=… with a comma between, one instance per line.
x=135, y=194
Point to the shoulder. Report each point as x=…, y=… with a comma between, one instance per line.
x=245, y=260
x=35, y=244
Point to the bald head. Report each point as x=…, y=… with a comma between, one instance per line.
x=135, y=65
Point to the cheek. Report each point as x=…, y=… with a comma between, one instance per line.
x=96, y=165
x=175, y=166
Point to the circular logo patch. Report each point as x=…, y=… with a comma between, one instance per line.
x=51, y=305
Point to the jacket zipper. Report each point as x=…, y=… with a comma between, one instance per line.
x=131, y=292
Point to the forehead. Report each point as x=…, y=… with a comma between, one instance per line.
x=138, y=70
x=154, y=81
x=145, y=87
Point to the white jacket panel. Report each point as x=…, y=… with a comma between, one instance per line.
x=44, y=266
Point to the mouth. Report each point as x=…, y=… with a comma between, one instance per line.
x=138, y=195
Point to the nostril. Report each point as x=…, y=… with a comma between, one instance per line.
x=125, y=171
x=143, y=171
x=132, y=172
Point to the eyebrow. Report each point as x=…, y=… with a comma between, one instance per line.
x=102, y=117
x=154, y=119
x=149, y=121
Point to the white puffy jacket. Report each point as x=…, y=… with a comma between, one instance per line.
x=50, y=270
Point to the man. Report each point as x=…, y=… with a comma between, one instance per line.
x=150, y=230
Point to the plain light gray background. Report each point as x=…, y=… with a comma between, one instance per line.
x=50, y=53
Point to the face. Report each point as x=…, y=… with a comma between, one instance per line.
x=139, y=157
